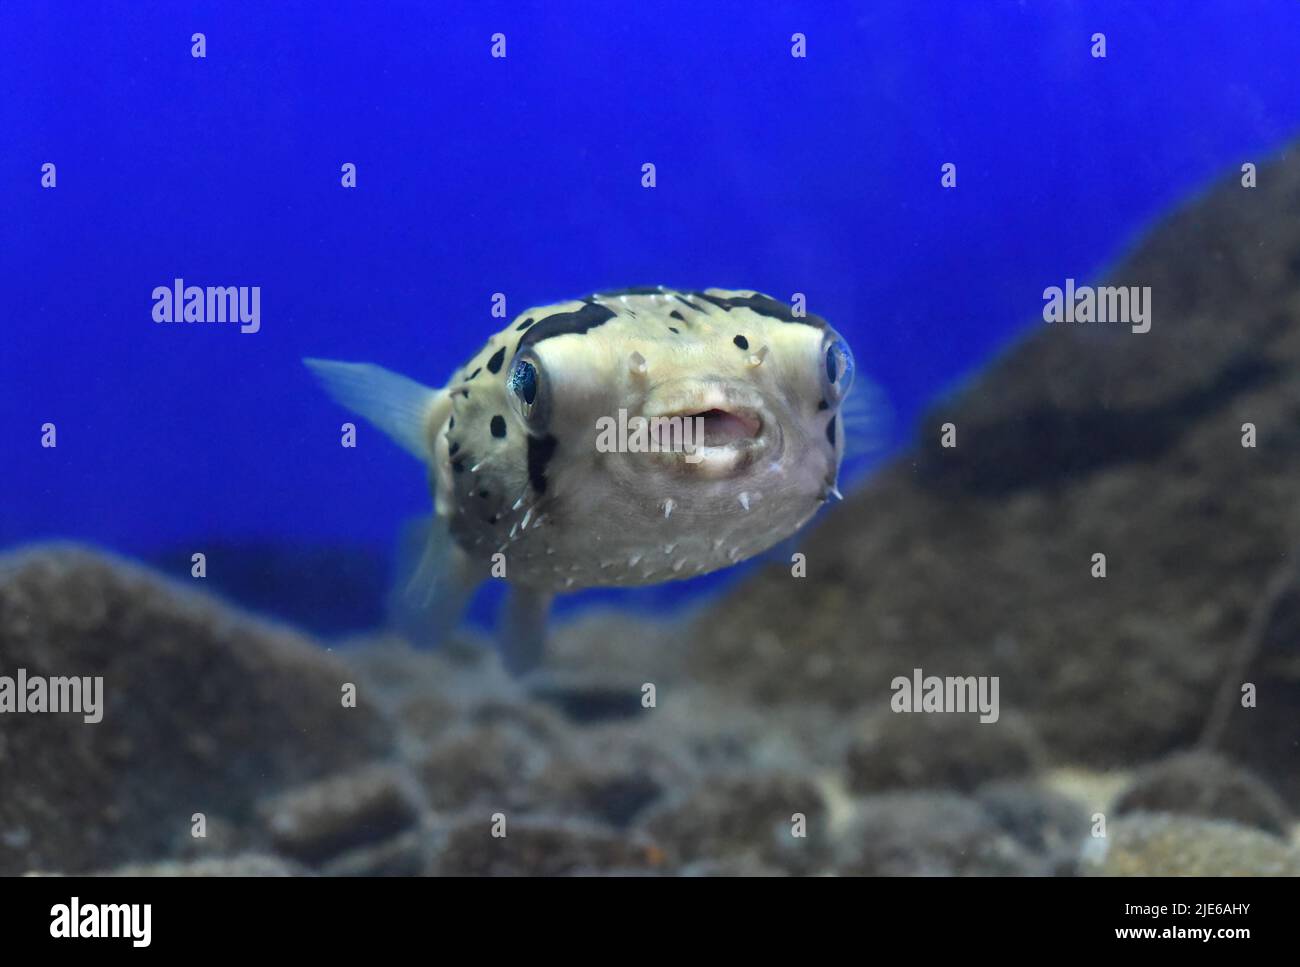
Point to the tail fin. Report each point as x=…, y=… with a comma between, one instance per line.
x=401, y=407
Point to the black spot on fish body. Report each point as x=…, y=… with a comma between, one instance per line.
x=674, y=330
x=473, y=374
x=451, y=423
x=498, y=357
x=578, y=322
x=524, y=325
x=823, y=405
x=540, y=451
x=741, y=341
x=677, y=315
x=687, y=303
x=498, y=426
x=830, y=431
x=451, y=450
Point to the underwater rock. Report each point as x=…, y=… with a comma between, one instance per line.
x=612, y=776
x=204, y=710
x=901, y=751
x=1266, y=735
x=400, y=855
x=777, y=821
x=245, y=864
x=542, y=847
x=223, y=838
x=929, y=834
x=318, y=821
x=1083, y=439
x=536, y=720
x=1158, y=844
x=1043, y=821
x=1205, y=785
x=598, y=664
x=489, y=767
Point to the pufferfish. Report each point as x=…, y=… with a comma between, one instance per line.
x=523, y=488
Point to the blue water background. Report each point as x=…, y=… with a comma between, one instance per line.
x=523, y=175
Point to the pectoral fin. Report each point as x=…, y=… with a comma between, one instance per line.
x=522, y=629
x=435, y=582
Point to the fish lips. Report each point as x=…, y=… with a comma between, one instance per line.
x=723, y=440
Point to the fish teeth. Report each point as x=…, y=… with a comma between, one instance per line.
x=528, y=515
x=636, y=362
x=634, y=560
x=669, y=504
x=744, y=500
x=756, y=359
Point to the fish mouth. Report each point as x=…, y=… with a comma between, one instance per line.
x=715, y=441
x=718, y=427
x=715, y=428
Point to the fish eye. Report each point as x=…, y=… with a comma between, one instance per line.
x=839, y=368
x=525, y=385
x=523, y=381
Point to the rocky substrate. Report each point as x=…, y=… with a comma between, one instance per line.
x=211, y=712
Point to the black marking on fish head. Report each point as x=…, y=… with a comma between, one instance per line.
x=540, y=451
x=577, y=321
x=763, y=305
